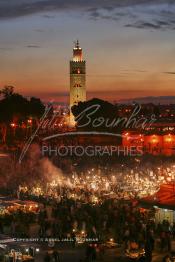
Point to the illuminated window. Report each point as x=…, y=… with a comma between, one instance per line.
x=77, y=85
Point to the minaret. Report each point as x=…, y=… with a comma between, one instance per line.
x=77, y=79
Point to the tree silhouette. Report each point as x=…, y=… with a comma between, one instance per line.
x=95, y=115
x=7, y=91
x=16, y=108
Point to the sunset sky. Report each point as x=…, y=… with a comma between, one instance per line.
x=129, y=46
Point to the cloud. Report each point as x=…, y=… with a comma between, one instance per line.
x=15, y=8
x=49, y=16
x=156, y=15
x=57, y=94
x=144, y=14
x=142, y=25
x=159, y=16
x=169, y=73
x=154, y=24
x=39, y=30
x=33, y=46
x=121, y=73
x=135, y=70
x=5, y=48
x=105, y=76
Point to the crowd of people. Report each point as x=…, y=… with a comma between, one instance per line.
x=96, y=206
x=96, y=184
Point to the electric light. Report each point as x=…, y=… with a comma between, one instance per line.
x=13, y=125
x=29, y=121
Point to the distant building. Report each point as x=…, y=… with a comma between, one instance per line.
x=152, y=143
x=77, y=79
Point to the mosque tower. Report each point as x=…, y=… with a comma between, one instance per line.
x=77, y=79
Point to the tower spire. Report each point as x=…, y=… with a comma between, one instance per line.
x=77, y=44
x=77, y=52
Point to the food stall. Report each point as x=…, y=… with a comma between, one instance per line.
x=8, y=206
x=163, y=202
x=18, y=251
x=14, y=256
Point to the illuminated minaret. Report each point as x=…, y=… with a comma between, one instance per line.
x=77, y=79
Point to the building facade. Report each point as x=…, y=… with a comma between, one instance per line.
x=154, y=144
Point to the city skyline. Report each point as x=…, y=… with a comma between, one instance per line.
x=132, y=55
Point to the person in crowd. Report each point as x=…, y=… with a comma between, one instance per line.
x=56, y=256
x=47, y=257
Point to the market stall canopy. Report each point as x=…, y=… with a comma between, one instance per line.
x=3, y=155
x=165, y=197
x=10, y=204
